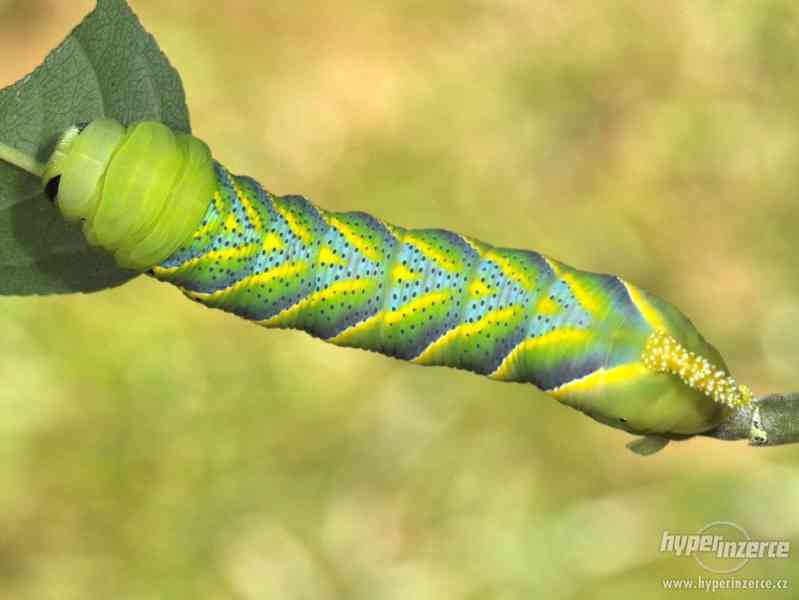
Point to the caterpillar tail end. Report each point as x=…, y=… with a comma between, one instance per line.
x=664, y=354
x=768, y=421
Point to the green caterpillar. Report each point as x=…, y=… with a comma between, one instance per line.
x=160, y=203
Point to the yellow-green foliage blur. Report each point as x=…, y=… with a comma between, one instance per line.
x=152, y=448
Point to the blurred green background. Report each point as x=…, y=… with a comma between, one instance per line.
x=151, y=448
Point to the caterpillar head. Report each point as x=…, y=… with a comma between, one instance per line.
x=140, y=190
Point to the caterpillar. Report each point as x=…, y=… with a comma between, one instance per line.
x=161, y=204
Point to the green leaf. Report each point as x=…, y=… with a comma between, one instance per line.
x=108, y=66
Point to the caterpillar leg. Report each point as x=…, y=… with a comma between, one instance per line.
x=648, y=445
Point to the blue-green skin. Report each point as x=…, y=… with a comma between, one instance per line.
x=352, y=280
x=430, y=296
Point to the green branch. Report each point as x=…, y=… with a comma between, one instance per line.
x=769, y=421
x=21, y=160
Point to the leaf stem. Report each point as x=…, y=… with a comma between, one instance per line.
x=21, y=160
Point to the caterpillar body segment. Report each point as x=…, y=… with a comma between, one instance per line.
x=432, y=297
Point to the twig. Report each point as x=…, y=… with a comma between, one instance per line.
x=21, y=160
x=768, y=421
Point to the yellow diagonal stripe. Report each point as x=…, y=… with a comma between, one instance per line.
x=650, y=314
x=402, y=272
x=547, y=306
x=219, y=204
x=600, y=378
x=328, y=257
x=357, y=328
x=559, y=336
x=415, y=305
x=284, y=270
x=272, y=242
x=508, y=270
x=205, y=230
x=430, y=252
x=358, y=242
x=487, y=320
x=349, y=285
x=585, y=297
x=252, y=214
x=232, y=223
x=294, y=225
x=214, y=255
x=477, y=288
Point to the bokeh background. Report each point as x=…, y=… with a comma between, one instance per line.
x=151, y=448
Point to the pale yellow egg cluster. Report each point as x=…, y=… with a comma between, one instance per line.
x=663, y=354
